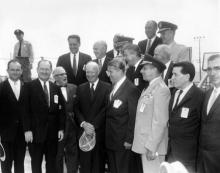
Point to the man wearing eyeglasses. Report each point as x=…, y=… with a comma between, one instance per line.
x=67, y=148
x=209, y=154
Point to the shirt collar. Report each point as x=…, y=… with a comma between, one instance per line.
x=42, y=83
x=137, y=63
x=119, y=83
x=13, y=82
x=187, y=88
x=95, y=84
x=152, y=39
x=77, y=54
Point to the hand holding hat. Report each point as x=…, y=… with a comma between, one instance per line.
x=87, y=142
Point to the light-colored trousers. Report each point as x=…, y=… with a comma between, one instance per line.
x=151, y=166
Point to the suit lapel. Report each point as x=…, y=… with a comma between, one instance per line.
x=11, y=93
x=187, y=97
x=168, y=75
x=206, y=102
x=172, y=100
x=41, y=91
x=121, y=88
x=153, y=44
x=214, y=106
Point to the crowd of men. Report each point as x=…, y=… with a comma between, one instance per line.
x=138, y=104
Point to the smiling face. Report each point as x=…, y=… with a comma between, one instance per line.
x=214, y=71
x=99, y=50
x=14, y=71
x=92, y=72
x=73, y=45
x=61, y=77
x=44, y=70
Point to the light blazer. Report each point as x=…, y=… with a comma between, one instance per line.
x=151, y=130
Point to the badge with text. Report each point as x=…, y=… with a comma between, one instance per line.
x=56, y=99
x=136, y=82
x=185, y=112
x=142, y=107
x=117, y=103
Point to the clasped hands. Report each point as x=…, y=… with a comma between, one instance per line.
x=151, y=155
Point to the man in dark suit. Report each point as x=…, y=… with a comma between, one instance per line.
x=99, y=49
x=120, y=119
x=12, y=105
x=184, y=117
x=148, y=45
x=162, y=53
x=90, y=113
x=67, y=148
x=209, y=154
x=133, y=58
x=44, y=118
x=74, y=62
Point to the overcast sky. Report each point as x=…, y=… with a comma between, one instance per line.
x=47, y=23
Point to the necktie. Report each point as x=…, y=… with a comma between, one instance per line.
x=100, y=63
x=212, y=99
x=19, y=50
x=92, y=91
x=46, y=93
x=177, y=100
x=148, y=46
x=74, y=65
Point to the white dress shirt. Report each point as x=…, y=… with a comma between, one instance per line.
x=95, y=84
x=16, y=87
x=136, y=65
x=117, y=85
x=64, y=92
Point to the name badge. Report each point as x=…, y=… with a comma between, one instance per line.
x=117, y=103
x=142, y=107
x=56, y=99
x=136, y=82
x=185, y=113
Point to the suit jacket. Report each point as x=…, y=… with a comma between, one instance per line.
x=11, y=112
x=102, y=75
x=136, y=77
x=169, y=73
x=92, y=111
x=70, y=125
x=151, y=130
x=110, y=54
x=184, y=132
x=179, y=52
x=120, y=117
x=142, y=44
x=80, y=77
x=43, y=121
x=210, y=137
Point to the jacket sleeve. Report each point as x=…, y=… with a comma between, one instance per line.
x=133, y=97
x=78, y=115
x=159, y=119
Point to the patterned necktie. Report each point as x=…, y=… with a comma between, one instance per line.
x=74, y=65
x=177, y=100
x=46, y=93
x=19, y=50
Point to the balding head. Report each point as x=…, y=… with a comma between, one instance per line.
x=59, y=75
x=100, y=49
x=92, y=71
x=151, y=29
x=162, y=53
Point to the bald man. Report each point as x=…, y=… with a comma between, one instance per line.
x=67, y=148
x=148, y=45
x=100, y=49
x=90, y=114
x=162, y=53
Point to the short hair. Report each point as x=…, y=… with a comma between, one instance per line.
x=13, y=61
x=133, y=47
x=77, y=37
x=187, y=68
x=44, y=60
x=102, y=42
x=213, y=57
x=117, y=63
x=93, y=63
x=152, y=22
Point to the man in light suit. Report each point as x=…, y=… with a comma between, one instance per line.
x=11, y=111
x=43, y=119
x=162, y=53
x=74, y=62
x=67, y=148
x=120, y=118
x=184, y=117
x=178, y=52
x=150, y=134
x=148, y=45
x=132, y=56
x=99, y=49
x=90, y=106
x=209, y=154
